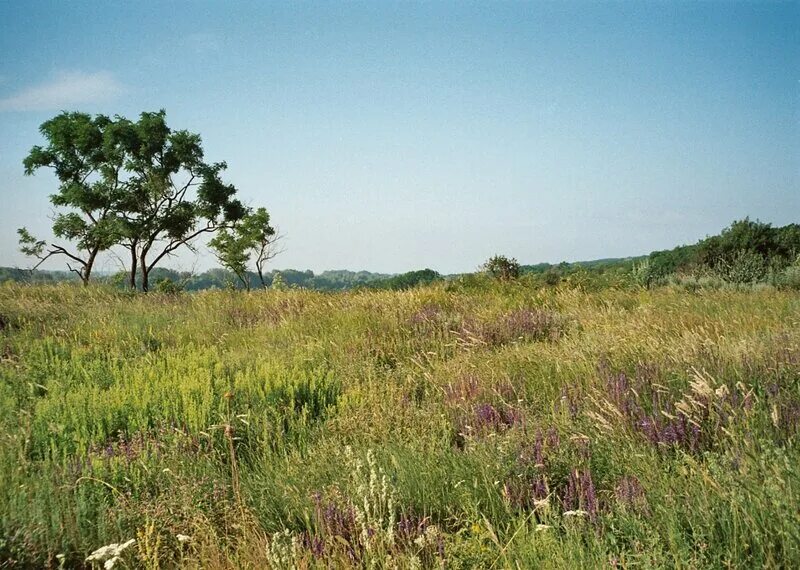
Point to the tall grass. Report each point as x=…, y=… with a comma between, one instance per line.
x=448, y=426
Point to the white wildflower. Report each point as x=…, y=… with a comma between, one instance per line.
x=429, y=537
x=109, y=554
x=182, y=538
x=284, y=550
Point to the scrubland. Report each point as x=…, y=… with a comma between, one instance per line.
x=492, y=426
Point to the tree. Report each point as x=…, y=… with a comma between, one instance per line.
x=173, y=196
x=502, y=268
x=263, y=238
x=233, y=253
x=136, y=184
x=252, y=237
x=89, y=185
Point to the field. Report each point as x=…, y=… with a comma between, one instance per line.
x=492, y=426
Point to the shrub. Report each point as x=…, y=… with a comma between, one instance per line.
x=745, y=266
x=278, y=282
x=789, y=278
x=552, y=277
x=167, y=286
x=502, y=268
x=643, y=273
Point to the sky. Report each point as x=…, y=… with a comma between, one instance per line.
x=396, y=136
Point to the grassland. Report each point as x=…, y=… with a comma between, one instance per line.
x=498, y=426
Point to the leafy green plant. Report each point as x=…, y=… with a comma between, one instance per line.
x=502, y=268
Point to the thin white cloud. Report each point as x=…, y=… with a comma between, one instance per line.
x=66, y=89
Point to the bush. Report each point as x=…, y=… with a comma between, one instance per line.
x=278, y=282
x=502, y=268
x=552, y=277
x=746, y=266
x=167, y=286
x=789, y=278
x=643, y=274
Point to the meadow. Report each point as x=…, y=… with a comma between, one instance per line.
x=482, y=425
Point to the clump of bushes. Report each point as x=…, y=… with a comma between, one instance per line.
x=745, y=253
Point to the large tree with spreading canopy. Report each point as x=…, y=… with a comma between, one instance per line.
x=137, y=184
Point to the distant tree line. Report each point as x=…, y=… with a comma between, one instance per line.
x=216, y=278
x=407, y=280
x=747, y=251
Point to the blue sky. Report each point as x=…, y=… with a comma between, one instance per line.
x=395, y=136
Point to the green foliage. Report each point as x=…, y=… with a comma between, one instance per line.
x=643, y=273
x=787, y=240
x=552, y=277
x=664, y=263
x=502, y=268
x=756, y=238
x=278, y=283
x=29, y=245
x=167, y=286
x=172, y=194
x=216, y=278
x=682, y=266
x=89, y=187
x=233, y=253
x=789, y=278
x=252, y=236
x=746, y=252
x=743, y=266
x=137, y=184
x=408, y=280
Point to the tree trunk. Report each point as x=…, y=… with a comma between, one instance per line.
x=134, y=260
x=260, y=269
x=86, y=272
x=145, y=274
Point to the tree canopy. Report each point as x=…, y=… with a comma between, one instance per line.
x=252, y=238
x=88, y=190
x=136, y=184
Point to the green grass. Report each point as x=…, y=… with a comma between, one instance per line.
x=446, y=426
